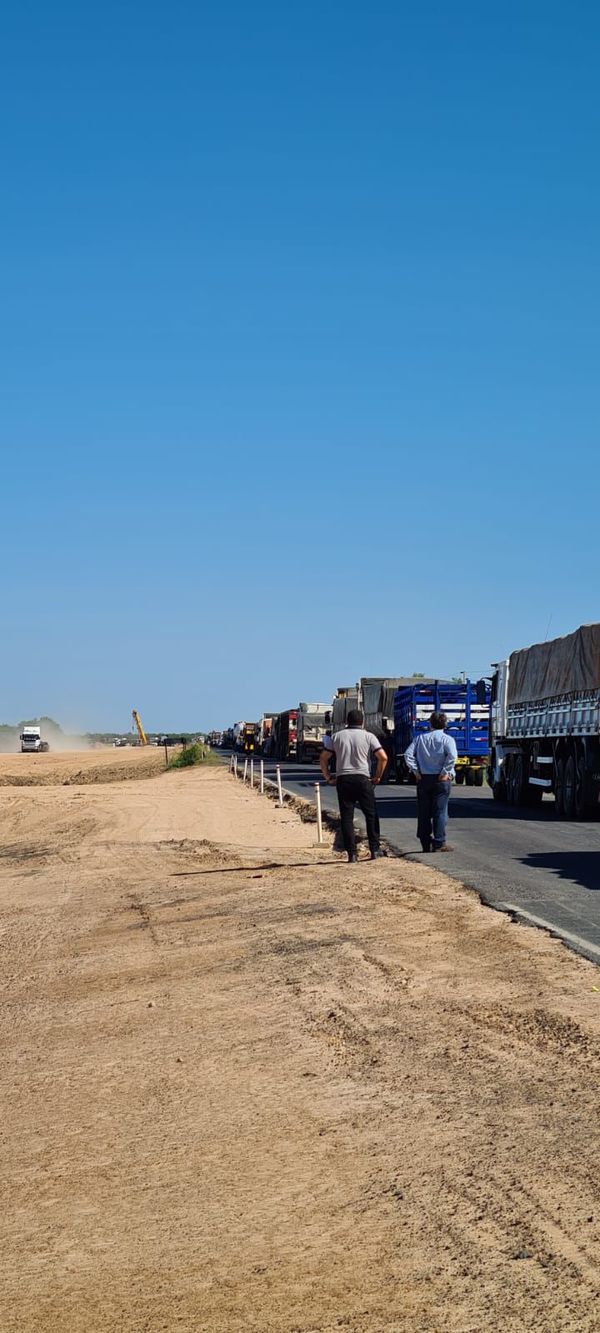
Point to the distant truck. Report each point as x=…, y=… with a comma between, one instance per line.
x=545, y=724
x=31, y=741
x=284, y=739
x=346, y=697
x=467, y=707
x=265, y=733
x=249, y=738
x=312, y=721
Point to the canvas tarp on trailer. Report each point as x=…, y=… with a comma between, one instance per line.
x=570, y=665
x=306, y=719
x=378, y=693
x=341, y=707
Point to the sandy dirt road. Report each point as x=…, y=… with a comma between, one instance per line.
x=305, y=1098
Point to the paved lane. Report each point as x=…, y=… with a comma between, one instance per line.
x=544, y=869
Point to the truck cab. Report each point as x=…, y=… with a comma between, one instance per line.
x=31, y=741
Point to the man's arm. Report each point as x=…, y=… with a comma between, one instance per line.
x=451, y=753
x=324, y=762
x=409, y=756
x=382, y=759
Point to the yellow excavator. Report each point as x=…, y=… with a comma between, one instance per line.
x=140, y=730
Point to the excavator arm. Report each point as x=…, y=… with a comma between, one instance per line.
x=140, y=730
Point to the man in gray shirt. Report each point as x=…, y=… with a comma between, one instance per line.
x=354, y=750
x=431, y=757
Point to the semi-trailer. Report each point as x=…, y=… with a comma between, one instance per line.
x=346, y=697
x=545, y=724
x=265, y=733
x=312, y=721
x=284, y=736
x=467, y=707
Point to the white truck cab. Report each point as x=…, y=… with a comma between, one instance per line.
x=31, y=741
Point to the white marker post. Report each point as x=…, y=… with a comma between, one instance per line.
x=319, y=815
x=245, y=770
x=262, y=777
x=251, y=772
x=279, y=787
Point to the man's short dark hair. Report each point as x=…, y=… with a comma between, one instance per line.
x=438, y=721
x=355, y=717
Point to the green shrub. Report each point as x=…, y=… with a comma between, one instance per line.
x=193, y=754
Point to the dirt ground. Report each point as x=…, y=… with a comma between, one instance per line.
x=81, y=766
x=299, y=1097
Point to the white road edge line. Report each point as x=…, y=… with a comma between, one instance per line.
x=566, y=935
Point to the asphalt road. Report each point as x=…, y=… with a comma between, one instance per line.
x=543, y=870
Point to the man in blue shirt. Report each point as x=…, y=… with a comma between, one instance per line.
x=431, y=757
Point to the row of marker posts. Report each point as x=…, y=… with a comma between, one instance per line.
x=248, y=773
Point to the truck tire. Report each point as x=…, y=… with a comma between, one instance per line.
x=478, y=777
x=581, y=790
x=569, y=785
x=499, y=792
x=459, y=777
x=559, y=789
x=300, y=754
x=517, y=780
x=469, y=777
x=514, y=781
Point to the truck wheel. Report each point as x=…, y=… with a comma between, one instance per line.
x=559, y=789
x=300, y=755
x=459, y=777
x=478, y=777
x=581, y=793
x=569, y=783
x=499, y=792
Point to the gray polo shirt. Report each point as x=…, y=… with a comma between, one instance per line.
x=354, y=749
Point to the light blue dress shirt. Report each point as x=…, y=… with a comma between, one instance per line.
x=432, y=753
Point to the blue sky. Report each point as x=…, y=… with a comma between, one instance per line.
x=300, y=314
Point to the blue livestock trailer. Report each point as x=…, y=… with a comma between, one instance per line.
x=467, y=707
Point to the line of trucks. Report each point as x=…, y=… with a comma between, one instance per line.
x=532, y=727
x=395, y=708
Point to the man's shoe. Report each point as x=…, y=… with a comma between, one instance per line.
x=353, y=859
x=376, y=855
x=445, y=847
x=425, y=847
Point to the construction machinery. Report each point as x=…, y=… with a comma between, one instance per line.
x=140, y=730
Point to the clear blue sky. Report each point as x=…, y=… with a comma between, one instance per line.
x=300, y=311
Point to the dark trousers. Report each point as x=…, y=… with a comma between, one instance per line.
x=432, y=808
x=354, y=789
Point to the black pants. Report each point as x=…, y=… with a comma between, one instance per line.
x=353, y=789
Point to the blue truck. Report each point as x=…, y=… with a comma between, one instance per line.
x=467, y=707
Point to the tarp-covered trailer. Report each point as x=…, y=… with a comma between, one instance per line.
x=545, y=724
x=313, y=720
